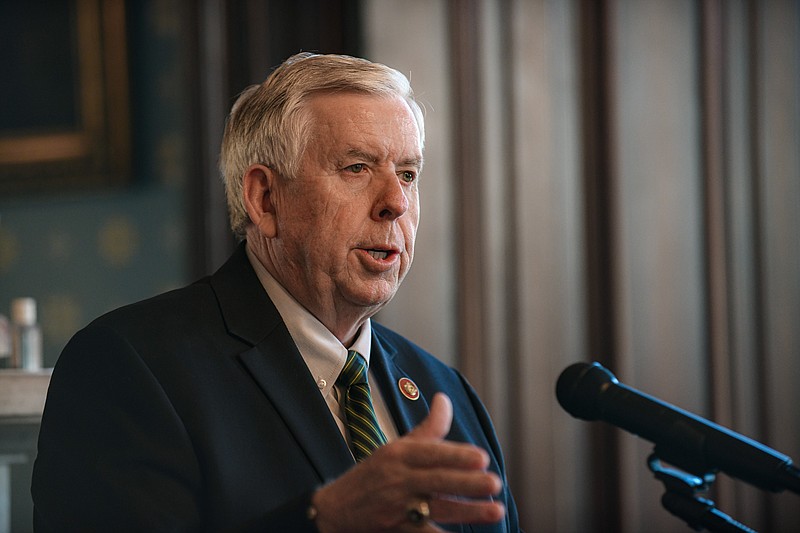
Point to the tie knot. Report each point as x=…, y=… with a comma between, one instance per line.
x=354, y=371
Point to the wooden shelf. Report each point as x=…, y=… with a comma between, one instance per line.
x=22, y=392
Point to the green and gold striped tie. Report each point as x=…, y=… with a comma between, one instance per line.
x=365, y=433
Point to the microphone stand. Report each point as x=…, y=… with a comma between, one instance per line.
x=683, y=498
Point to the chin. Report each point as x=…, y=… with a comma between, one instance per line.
x=373, y=298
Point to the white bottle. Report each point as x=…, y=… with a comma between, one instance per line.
x=26, y=335
x=5, y=343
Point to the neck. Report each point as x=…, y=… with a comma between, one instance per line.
x=342, y=319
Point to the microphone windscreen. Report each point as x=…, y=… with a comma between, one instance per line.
x=579, y=387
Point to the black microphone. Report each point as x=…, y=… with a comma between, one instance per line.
x=694, y=444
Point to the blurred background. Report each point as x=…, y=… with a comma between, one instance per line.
x=609, y=180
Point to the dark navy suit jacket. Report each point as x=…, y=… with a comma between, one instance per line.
x=194, y=411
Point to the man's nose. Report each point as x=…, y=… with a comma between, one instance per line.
x=391, y=199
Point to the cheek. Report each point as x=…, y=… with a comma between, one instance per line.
x=306, y=214
x=410, y=233
x=413, y=218
x=414, y=208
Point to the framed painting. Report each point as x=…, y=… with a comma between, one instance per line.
x=64, y=117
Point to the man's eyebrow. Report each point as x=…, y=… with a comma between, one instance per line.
x=355, y=153
x=362, y=155
x=415, y=162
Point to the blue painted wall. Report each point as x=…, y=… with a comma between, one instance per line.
x=83, y=253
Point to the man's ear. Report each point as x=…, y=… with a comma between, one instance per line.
x=257, y=189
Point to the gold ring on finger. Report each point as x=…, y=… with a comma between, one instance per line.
x=418, y=513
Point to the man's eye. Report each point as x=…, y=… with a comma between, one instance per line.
x=408, y=176
x=355, y=169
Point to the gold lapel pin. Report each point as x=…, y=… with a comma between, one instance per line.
x=408, y=388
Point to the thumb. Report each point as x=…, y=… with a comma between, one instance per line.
x=436, y=425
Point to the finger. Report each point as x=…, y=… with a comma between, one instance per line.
x=453, y=511
x=445, y=454
x=437, y=424
x=473, y=484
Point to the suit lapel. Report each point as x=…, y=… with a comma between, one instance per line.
x=281, y=373
x=277, y=366
x=407, y=413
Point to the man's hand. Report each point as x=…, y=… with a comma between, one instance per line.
x=377, y=494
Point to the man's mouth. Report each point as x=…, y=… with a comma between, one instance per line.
x=379, y=254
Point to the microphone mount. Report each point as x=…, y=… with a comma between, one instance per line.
x=685, y=498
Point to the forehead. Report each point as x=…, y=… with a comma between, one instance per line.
x=349, y=120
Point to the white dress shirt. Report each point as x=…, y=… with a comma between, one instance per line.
x=322, y=352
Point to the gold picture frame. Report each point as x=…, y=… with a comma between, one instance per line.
x=83, y=55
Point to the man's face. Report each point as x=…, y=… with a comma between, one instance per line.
x=346, y=224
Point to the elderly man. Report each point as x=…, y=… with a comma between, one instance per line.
x=243, y=402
